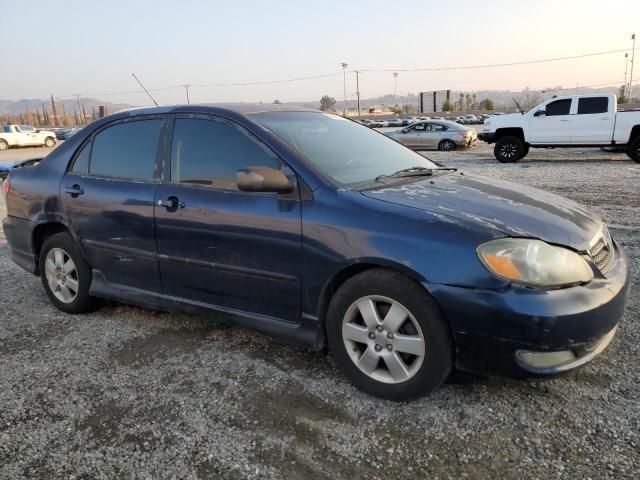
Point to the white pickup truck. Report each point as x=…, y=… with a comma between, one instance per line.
x=24, y=136
x=568, y=122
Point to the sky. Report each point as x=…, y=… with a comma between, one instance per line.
x=91, y=48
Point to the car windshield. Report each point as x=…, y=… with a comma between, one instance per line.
x=343, y=150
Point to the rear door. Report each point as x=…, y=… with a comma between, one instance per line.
x=554, y=125
x=593, y=121
x=218, y=245
x=108, y=196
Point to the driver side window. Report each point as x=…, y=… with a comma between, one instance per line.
x=559, y=107
x=210, y=152
x=420, y=127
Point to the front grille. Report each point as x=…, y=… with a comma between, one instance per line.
x=602, y=251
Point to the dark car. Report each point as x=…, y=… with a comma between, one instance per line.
x=394, y=122
x=313, y=229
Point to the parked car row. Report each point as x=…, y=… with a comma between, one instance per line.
x=63, y=133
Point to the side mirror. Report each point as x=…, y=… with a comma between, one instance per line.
x=263, y=179
x=540, y=113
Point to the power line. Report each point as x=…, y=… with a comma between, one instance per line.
x=336, y=74
x=492, y=65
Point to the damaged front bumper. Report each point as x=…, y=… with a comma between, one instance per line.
x=520, y=332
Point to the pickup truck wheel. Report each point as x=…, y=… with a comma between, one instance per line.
x=447, y=145
x=509, y=150
x=65, y=274
x=3, y=145
x=633, y=150
x=49, y=142
x=388, y=335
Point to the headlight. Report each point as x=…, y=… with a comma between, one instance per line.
x=534, y=263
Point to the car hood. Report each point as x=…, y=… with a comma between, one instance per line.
x=513, y=209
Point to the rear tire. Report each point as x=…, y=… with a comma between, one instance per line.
x=633, y=150
x=65, y=274
x=509, y=150
x=447, y=145
x=399, y=356
x=3, y=145
x=49, y=142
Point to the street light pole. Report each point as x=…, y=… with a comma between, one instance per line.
x=358, y=90
x=344, y=86
x=633, y=56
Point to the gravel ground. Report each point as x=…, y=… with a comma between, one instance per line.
x=126, y=392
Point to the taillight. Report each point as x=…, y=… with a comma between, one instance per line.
x=6, y=186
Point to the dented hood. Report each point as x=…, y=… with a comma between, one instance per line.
x=513, y=209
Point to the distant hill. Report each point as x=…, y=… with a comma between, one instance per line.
x=16, y=107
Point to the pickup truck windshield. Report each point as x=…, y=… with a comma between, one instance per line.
x=345, y=151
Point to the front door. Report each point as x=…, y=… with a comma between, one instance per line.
x=416, y=136
x=218, y=245
x=108, y=196
x=552, y=125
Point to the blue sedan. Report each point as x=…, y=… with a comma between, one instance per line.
x=320, y=232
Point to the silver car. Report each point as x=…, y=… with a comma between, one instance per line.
x=441, y=135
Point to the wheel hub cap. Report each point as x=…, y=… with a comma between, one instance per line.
x=61, y=275
x=383, y=339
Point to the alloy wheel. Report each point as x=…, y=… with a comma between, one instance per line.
x=509, y=150
x=62, y=275
x=383, y=339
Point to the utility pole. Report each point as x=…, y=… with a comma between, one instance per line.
x=633, y=56
x=79, y=107
x=358, y=90
x=186, y=89
x=344, y=86
x=53, y=109
x=395, y=88
x=626, y=65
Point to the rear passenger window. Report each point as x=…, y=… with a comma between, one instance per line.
x=593, y=105
x=81, y=164
x=559, y=107
x=127, y=150
x=210, y=152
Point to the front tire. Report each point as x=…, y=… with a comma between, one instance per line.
x=509, y=150
x=389, y=336
x=66, y=276
x=49, y=142
x=447, y=145
x=633, y=151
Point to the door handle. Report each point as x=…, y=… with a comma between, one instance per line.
x=564, y=120
x=74, y=190
x=171, y=203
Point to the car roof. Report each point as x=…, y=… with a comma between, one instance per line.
x=241, y=108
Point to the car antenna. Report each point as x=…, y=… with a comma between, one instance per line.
x=147, y=91
x=518, y=105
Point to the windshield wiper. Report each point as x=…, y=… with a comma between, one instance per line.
x=414, y=172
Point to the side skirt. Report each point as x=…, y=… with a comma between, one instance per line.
x=307, y=333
